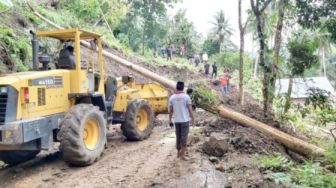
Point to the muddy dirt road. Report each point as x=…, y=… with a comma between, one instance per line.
x=149, y=163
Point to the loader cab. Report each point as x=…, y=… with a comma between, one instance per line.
x=85, y=77
x=66, y=58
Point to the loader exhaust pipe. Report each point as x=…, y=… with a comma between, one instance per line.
x=35, y=49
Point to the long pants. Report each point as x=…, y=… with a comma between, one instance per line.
x=181, y=132
x=214, y=74
x=224, y=90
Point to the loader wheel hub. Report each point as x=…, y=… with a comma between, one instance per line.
x=142, y=119
x=91, y=134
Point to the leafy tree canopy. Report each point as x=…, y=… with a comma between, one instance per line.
x=182, y=31
x=210, y=46
x=302, y=55
x=318, y=14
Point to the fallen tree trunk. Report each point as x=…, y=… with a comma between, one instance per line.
x=289, y=141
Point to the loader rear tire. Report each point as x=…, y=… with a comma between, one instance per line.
x=16, y=157
x=82, y=135
x=139, y=120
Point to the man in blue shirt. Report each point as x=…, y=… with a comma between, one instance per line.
x=180, y=106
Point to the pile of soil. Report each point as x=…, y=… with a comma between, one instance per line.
x=242, y=139
x=253, y=109
x=233, y=150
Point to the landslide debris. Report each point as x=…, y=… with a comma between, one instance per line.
x=233, y=150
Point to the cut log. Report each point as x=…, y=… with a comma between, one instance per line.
x=287, y=140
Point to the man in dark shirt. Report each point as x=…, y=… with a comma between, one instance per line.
x=169, y=53
x=206, y=69
x=72, y=57
x=214, y=70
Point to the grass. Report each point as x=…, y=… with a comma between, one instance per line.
x=18, y=46
x=205, y=96
x=312, y=175
x=277, y=162
x=309, y=174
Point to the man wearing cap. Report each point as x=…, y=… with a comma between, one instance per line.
x=180, y=106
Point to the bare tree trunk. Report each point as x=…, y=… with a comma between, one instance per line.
x=143, y=41
x=277, y=44
x=241, y=54
x=256, y=66
x=263, y=48
x=256, y=62
x=241, y=59
x=106, y=22
x=262, y=62
x=289, y=93
x=324, y=63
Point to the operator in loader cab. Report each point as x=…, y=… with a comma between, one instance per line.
x=72, y=57
x=180, y=106
x=66, y=58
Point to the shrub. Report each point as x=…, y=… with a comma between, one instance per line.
x=276, y=162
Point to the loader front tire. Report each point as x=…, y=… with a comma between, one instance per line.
x=16, y=157
x=82, y=135
x=139, y=120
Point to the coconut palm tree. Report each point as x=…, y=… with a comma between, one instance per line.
x=322, y=38
x=222, y=29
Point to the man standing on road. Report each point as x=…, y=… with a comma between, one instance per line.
x=180, y=106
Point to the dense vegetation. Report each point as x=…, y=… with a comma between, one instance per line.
x=142, y=28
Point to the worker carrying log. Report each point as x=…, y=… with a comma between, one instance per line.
x=180, y=106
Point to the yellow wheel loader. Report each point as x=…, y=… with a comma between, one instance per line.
x=72, y=104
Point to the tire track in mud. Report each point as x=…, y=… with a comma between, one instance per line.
x=124, y=164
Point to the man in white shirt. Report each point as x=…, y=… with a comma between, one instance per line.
x=180, y=106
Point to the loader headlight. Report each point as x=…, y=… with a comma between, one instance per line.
x=3, y=90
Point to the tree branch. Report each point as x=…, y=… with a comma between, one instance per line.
x=254, y=9
x=265, y=6
x=239, y=16
x=332, y=133
x=247, y=21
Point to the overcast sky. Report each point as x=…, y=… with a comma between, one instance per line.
x=201, y=13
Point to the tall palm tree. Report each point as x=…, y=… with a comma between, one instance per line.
x=222, y=29
x=323, y=39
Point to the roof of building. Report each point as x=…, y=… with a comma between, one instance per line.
x=302, y=85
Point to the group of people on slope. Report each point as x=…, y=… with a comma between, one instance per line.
x=224, y=79
x=170, y=50
x=214, y=69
